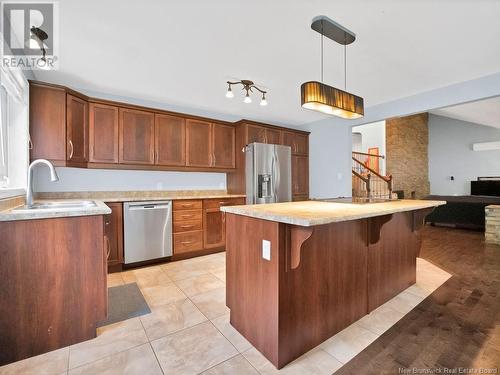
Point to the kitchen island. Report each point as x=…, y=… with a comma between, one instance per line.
x=298, y=273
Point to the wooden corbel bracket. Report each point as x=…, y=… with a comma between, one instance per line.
x=298, y=235
x=375, y=225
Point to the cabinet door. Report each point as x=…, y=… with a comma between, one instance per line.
x=103, y=133
x=214, y=234
x=76, y=129
x=273, y=136
x=301, y=144
x=256, y=134
x=198, y=143
x=297, y=141
x=136, y=137
x=289, y=140
x=170, y=140
x=223, y=138
x=113, y=234
x=300, y=175
x=47, y=123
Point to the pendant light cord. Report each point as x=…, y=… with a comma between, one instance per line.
x=321, y=51
x=345, y=67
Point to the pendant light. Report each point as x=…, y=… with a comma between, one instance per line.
x=320, y=97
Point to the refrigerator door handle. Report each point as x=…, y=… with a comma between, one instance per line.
x=278, y=175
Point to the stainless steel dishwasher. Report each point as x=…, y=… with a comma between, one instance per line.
x=147, y=230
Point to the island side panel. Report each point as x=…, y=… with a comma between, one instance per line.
x=327, y=291
x=392, y=259
x=252, y=281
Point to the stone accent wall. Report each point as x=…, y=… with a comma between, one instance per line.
x=492, y=232
x=407, y=139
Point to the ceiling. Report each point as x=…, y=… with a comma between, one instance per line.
x=181, y=53
x=483, y=112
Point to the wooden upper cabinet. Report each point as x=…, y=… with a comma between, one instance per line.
x=273, y=136
x=103, y=133
x=256, y=133
x=298, y=142
x=170, y=140
x=198, y=143
x=223, y=146
x=137, y=136
x=47, y=116
x=300, y=175
x=77, y=128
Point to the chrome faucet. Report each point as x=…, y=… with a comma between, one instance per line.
x=29, y=188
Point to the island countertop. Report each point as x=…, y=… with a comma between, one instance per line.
x=310, y=213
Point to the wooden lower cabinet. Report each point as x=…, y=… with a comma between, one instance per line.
x=113, y=236
x=199, y=225
x=53, y=278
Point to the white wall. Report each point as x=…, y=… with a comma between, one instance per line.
x=329, y=159
x=373, y=135
x=450, y=154
x=80, y=179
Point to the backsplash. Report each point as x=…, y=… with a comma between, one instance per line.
x=80, y=179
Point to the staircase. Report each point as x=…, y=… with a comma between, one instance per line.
x=366, y=182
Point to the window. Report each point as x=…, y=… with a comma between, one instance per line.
x=14, y=93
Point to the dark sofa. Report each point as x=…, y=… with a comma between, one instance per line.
x=466, y=211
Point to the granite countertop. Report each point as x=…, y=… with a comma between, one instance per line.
x=137, y=196
x=15, y=213
x=310, y=213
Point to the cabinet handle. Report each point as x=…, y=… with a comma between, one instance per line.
x=187, y=242
x=187, y=205
x=215, y=159
x=187, y=216
x=72, y=149
x=186, y=226
x=30, y=144
x=108, y=247
x=223, y=203
x=156, y=156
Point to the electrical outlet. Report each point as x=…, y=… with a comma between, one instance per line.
x=266, y=249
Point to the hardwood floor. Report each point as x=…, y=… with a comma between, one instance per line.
x=456, y=326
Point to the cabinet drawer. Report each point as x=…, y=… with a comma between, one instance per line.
x=187, y=205
x=188, y=241
x=187, y=226
x=187, y=215
x=217, y=203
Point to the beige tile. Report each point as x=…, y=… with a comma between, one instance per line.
x=418, y=291
x=380, y=319
x=160, y=295
x=111, y=339
x=313, y=362
x=404, y=302
x=139, y=360
x=199, y=284
x=230, y=333
x=194, y=267
x=348, y=343
x=146, y=277
x=236, y=365
x=114, y=279
x=171, y=318
x=192, y=350
x=54, y=362
x=220, y=273
x=212, y=303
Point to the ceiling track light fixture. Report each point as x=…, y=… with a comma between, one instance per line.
x=248, y=86
x=321, y=97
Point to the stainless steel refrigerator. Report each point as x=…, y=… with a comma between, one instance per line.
x=268, y=173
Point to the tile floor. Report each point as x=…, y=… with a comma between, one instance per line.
x=188, y=330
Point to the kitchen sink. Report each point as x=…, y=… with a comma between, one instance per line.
x=58, y=205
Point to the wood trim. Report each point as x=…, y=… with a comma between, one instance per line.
x=278, y=127
x=152, y=167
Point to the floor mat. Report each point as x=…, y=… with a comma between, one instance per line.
x=125, y=302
